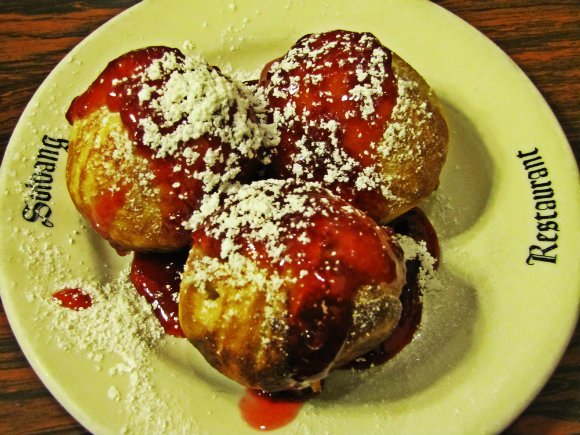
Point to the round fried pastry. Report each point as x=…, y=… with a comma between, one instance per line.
x=155, y=133
x=275, y=291
x=356, y=118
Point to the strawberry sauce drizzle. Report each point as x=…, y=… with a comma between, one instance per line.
x=157, y=278
x=320, y=92
x=414, y=224
x=117, y=88
x=341, y=56
x=328, y=269
x=73, y=298
x=267, y=412
x=105, y=207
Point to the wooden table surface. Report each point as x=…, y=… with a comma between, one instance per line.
x=541, y=36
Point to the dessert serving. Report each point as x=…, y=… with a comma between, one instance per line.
x=247, y=299
x=277, y=198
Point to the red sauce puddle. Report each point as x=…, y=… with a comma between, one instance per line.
x=73, y=298
x=267, y=411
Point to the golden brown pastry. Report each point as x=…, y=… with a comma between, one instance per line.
x=287, y=281
x=358, y=119
x=154, y=134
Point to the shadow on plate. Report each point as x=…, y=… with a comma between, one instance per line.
x=105, y=260
x=466, y=180
x=180, y=358
x=445, y=337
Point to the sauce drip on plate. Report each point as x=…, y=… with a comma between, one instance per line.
x=267, y=412
x=73, y=298
x=157, y=278
x=271, y=411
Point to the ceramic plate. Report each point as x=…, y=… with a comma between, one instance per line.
x=507, y=214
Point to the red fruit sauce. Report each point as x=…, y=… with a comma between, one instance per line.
x=157, y=278
x=73, y=298
x=321, y=304
x=117, y=88
x=103, y=211
x=316, y=83
x=324, y=295
x=340, y=58
x=268, y=412
x=414, y=224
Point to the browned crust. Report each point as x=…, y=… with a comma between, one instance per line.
x=101, y=160
x=416, y=158
x=236, y=329
x=229, y=327
x=376, y=314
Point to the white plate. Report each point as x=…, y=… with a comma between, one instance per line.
x=491, y=335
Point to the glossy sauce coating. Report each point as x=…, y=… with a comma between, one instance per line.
x=104, y=206
x=271, y=411
x=73, y=298
x=268, y=412
x=414, y=224
x=324, y=99
x=157, y=277
x=118, y=88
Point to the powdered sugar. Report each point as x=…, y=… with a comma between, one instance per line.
x=212, y=124
x=195, y=100
x=119, y=334
x=322, y=148
x=259, y=209
x=417, y=250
